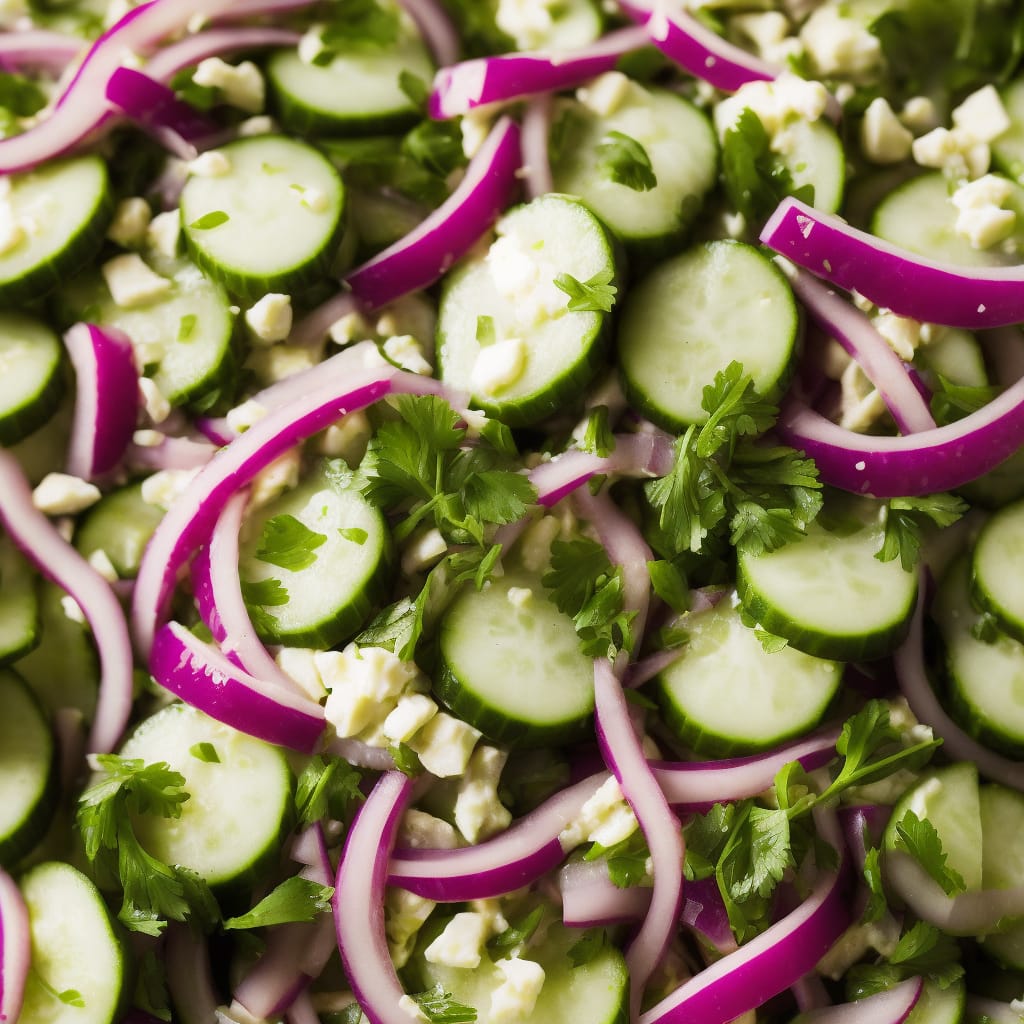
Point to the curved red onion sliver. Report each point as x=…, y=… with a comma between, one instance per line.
x=591, y=899
x=186, y=958
x=425, y=253
x=895, y=278
x=37, y=48
x=302, y=1010
x=620, y=747
x=856, y=334
x=536, y=160
x=891, y=1007
x=157, y=108
x=106, y=398
x=513, y=76
x=170, y=453
x=704, y=911
x=214, y=42
x=767, y=964
x=57, y=560
x=863, y=825
x=15, y=947
x=996, y=1011
x=313, y=327
x=359, y=900
x=436, y=28
x=202, y=676
x=684, y=40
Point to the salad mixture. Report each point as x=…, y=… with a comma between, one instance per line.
x=512, y=511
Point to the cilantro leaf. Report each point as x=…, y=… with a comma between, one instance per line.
x=706, y=835
x=516, y=934
x=921, y=841
x=670, y=584
x=414, y=88
x=407, y=761
x=876, y=905
x=327, y=787
x=951, y=402
x=354, y=534
x=295, y=899
x=269, y=592
x=288, y=543
x=734, y=409
x=623, y=160
x=439, y=1007
x=205, y=752
x=905, y=522
x=921, y=950
x=208, y=221
x=596, y=295
x=588, y=948
x=598, y=438
x=627, y=860
x=358, y=26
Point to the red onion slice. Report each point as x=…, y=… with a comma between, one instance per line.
x=302, y=1010
x=15, y=948
x=215, y=42
x=359, y=900
x=202, y=676
x=855, y=332
x=684, y=40
x=440, y=35
x=429, y=250
x=37, y=48
x=313, y=327
x=892, y=277
x=997, y=1012
x=57, y=560
x=891, y=1007
x=591, y=899
x=620, y=747
x=704, y=911
x=189, y=980
x=513, y=76
x=106, y=398
x=536, y=161
x=767, y=964
x=170, y=453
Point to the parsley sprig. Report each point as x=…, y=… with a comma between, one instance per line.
x=906, y=519
x=625, y=161
x=922, y=950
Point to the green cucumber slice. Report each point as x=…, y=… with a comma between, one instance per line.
x=64, y=209
x=348, y=570
x=680, y=143
x=813, y=154
x=119, y=524
x=508, y=302
x=726, y=694
x=957, y=356
x=695, y=314
x=76, y=947
x=19, y=604
x=997, y=568
x=514, y=669
x=28, y=769
x=828, y=594
x=937, y=1005
x=239, y=806
x=271, y=223
x=31, y=361
x=45, y=449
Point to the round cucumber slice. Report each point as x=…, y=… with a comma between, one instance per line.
x=997, y=569
x=513, y=668
x=813, y=154
x=239, y=806
x=938, y=1005
x=828, y=594
x=985, y=666
x=726, y=694
x=62, y=211
x=695, y=314
x=76, y=947
x=31, y=360
x=682, y=148
x=271, y=223
x=1008, y=149
x=28, y=769
x=341, y=570
x=19, y=604
x=505, y=332
x=119, y=524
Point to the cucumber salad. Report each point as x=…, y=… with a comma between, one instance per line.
x=511, y=511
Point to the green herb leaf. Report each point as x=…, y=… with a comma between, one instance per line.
x=151, y=994
x=622, y=159
x=295, y=899
x=205, y=752
x=270, y=593
x=327, y=788
x=354, y=534
x=588, y=948
x=906, y=520
x=186, y=327
x=208, y=221
x=439, y=1007
x=288, y=543
x=627, y=860
x=670, y=584
x=407, y=761
x=20, y=96
x=358, y=26
x=597, y=295
x=770, y=643
x=921, y=841
x=876, y=906
x=414, y=87
x=598, y=438
x=516, y=934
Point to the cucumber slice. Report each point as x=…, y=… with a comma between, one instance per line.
x=64, y=209
x=505, y=310
x=45, y=449
x=515, y=671
x=997, y=569
x=920, y=217
x=19, y=604
x=239, y=807
x=828, y=594
x=188, y=334
x=692, y=316
x=272, y=223
x=999, y=486
x=813, y=154
x=76, y=947
x=726, y=694
x=1008, y=148
x=939, y=1005
x=120, y=524
x=957, y=356
x=678, y=139
x=357, y=93
x=595, y=992
x=31, y=360
x=349, y=571
x=985, y=678
x=28, y=769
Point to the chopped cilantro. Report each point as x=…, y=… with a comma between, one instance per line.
x=205, y=752
x=919, y=838
x=596, y=295
x=210, y=220
x=623, y=160
x=288, y=543
x=906, y=520
x=295, y=899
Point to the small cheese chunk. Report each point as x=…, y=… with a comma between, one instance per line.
x=423, y=550
x=351, y=327
x=445, y=745
x=161, y=488
x=212, y=164
x=299, y=664
x=883, y=138
x=528, y=22
x=364, y=684
x=347, y=438
x=101, y=562
x=982, y=115
x=60, y=494
x=605, y=818
x=243, y=416
x=901, y=332
x=154, y=402
x=407, y=352
x=163, y=233
x=132, y=283
x=422, y=831
x=411, y=713
x=499, y=366
x=131, y=222
x=479, y=814
x=270, y=319
x=272, y=481
x=838, y=45
x=240, y=85
x=514, y=999
x=981, y=218
x=404, y=914
x=605, y=94
x=461, y=943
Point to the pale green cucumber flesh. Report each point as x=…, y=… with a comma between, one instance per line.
x=997, y=569
x=19, y=604
x=31, y=365
x=813, y=154
x=120, y=525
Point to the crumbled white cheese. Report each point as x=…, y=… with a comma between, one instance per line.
x=243, y=416
x=404, y=914
x=364, y=684
x=131, y=222
x=72, y=610
x=981, y=218
x=347, y=438
x=919, y=113
x=407, y=352
x=475, y=126
x=131, y=282
x=605, y=818
x=410, y=1007
x=12, y=231
x=161, y=488
x=776, y=103
x=423, y=550
x=528, y=22
x=411, y=713
x=499, y=366
x=883, y=137
x=163, y=233
x=861, y=405
x=461, y=942
x=519, y=597
x=514, y=999
x=278, y=362
x=270, y=319
x=956, y=152
x=838, y=45
x=272, y=481
x=901, y=332
x=445, y=745
x=60, y=494
x=479, y=813
x=315, y=199
x=769, y=32
x=982, y=115
x=240, y=85
x=351, y=327
x=299, y=664
x=421, y=831
x=526, y=279
x=605, y=94
x=311, y=45
x=101, y=562
x=148, y=438
x=154, y=402
x=211, y=164
x=259, y=125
